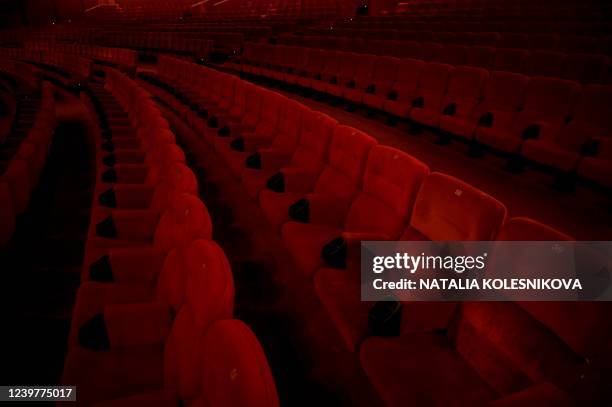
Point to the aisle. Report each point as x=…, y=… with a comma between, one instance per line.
x=38, y=266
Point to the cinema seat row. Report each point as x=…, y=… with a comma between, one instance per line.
x=23, y=155
x=580, y=65
x=393, y=41
x=325, y=187
x=554, y=122
x=152, y=323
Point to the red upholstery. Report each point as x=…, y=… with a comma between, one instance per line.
x=339, y=178
x=385, y=76
x=208, y=296
x=591, y=120
x=309, y=153
x=465, y=88
x=433, y=82
x=185, y=219
x=502, y=96
x=405, y=88
x=548, y=103
x=445, y=210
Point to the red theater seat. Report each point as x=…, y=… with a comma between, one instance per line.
x=385, y=76
x=139, y=359
x=547, y=105
x=378, y=212
x=444, y=210
x=427, y=101
x=586, y=68
x=465, y=88
x=358, y=85
x=402, y=93
x=482, y=57
x=346, y=71
x=591, y=120
x=338, y=180
x=185, y=220
x=545, y=63
x=309, y=154
x=330, y=71
x=598, y=168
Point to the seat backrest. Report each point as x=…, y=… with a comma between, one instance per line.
x=434, y=78
x=185, y=220
x=312, y=148
x=289, y=125
x=505, y=91
x=207, y=296
x=348, y=64
x=165, y=153
x=592, y=114
x=562, y=334
x=447, y=208
x=239, y=101
x=391, y=181
x=348, y=153
x=253, y=106
x=173, y=178
x=549, y=98
x=364, y=71
x=385, y=71
x=408, y=75
x=466, y=82
x=454, y=55
x=235, y=370
x=271, y=104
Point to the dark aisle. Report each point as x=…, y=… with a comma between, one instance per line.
x=40, y=277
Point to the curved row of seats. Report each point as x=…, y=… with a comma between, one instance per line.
x=338, y=39
x=153, y=321
x=580, y=67
x=22, y=158
x=326, y=187
x=554, y=122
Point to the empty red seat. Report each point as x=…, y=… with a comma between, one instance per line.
x=309, y=153
x=385, y=76
x=427, y=101
x=234, y=149
x=445, y=210
x=502, y=96
x=149, y=349
x=185, y=220
x=314, y=66
x=338, y=180
x=591, y=120
x=464, y=90
x=330, y=71
x=399, y=98
x=357, y=86
x=346, y=72
x=547, y=105
x=390, y=183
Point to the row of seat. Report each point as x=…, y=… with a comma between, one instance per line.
x=22, y=158
x=152, y=322
x=121, y=57
x=551, y=121
x=583, y=68
x=326, y=187
x=549, y=42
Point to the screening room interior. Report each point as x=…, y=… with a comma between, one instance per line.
x=185, y=188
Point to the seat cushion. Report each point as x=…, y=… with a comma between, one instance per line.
x=276, y=205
